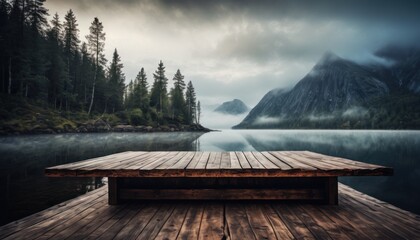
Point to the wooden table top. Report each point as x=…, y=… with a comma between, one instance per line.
x=218, y=164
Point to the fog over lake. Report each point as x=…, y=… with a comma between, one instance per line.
x=23, y=159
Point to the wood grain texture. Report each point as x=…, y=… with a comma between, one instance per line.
x=218, y=164
x=359, y=216
x=222, y=194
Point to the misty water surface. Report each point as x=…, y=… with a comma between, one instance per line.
x=25, y=190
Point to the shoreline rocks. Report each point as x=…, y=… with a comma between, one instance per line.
x=101, y=126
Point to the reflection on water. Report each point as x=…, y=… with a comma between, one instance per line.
x=24, y=189
x=397, y=149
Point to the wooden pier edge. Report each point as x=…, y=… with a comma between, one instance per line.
x=88, y=216
x=317, y=173
x=321, y=189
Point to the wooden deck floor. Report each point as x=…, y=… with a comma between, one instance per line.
x=90, y=217
x=217, y=164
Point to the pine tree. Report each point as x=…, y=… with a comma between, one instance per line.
x=159, y=92
x=178, y=101
x=56, y=71
x=71, y=45
x=96, y=44
x=198, y=112
x=55, y=30
x=17, y=60
x=140, y=92
x=190, y=99
x=86, y=74
x=4, y=43
x=129, y=99
x=35, y=83
x=116, y=83
x=36, y=14
x=71, y=35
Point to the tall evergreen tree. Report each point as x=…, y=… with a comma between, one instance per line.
x=56, y=29
x=129, y=95
x=178, y=101
x=96, y=45
x=140, y=92
x=4, y=44
x=116, y=83
x=17, y=60
x=159, y=92
x=56, y=71
x=86, y=75
x=71, y=34
x=190, y=99
x=71, y=45
x=36, y=15
x=198, y=116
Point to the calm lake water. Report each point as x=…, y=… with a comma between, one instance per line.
x=24, y=190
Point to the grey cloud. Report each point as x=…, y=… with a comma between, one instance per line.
x=309, y=39
x=393, y=10
x=268, y=120
x=354, y=112
x=242, y=49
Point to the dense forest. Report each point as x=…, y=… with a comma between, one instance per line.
x=46, y=67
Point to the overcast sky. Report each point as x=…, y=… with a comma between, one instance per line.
x=242, y=49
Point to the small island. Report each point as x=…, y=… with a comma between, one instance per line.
x=234, y=107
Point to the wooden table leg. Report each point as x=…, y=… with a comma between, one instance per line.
x=113, y=198
x=331, y=189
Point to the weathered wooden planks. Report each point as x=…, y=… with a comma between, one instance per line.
x=358, y=217
x=218, y=164
x=119, y=168
x=222, y=194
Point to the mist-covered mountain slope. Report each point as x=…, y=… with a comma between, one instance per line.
x=403, y=72
x=338, y=93
x=233, y=107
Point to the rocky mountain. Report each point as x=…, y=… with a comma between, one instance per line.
x=404, y=70
x=233, y=107
x=338, y=93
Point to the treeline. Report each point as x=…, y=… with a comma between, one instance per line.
x=48, y=62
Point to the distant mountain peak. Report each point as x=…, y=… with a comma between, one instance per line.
x=233, y=107
x=328, y=57
x=331, y=87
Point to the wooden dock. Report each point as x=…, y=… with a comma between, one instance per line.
x=357, y=216
x=219, y=195
x=286, y=175
x=217, y=164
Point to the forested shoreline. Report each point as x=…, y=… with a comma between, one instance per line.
x=48, y=69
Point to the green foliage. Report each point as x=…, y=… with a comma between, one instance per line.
x=198, y=116
x=48, y=65
x=71, y=35
x=96, y=44
x=137, y=95
x=136, y=117
x=190, y=99
x=115, y=86
x=140, y=91
x=178, y=101
x=113, y=119
x=159, y=92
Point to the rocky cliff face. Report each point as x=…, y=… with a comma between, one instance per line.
x=233, y=107
x=403, y=72
x=332, y=87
